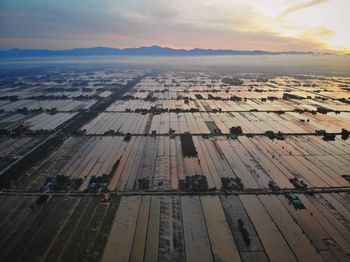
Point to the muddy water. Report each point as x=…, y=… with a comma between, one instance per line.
x=329, y=223
x=250, y=164
x=138, y=247
x=206, y=163
x=192, y=166
x=196, y=236
x=146, y=170
x=162, y=174
x=297, y=241
x=275, y=246
x=307, y=223
x=152, y=242
x=117, y=174
x=222, y=243
x=234, y=210
x=171, y=239
x=132, y=178
x=121, y=237
x=173, y=165
x=280, y=179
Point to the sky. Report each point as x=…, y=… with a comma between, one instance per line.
x=274, y=25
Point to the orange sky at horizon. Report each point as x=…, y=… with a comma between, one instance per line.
x=273, y=25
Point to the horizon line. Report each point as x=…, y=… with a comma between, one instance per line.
x=167, y=47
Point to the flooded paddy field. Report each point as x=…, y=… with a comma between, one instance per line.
x=78, y=158
x=205, y=104
x=15, y=123
x=13, y=120
x=175, y=228
x=199, y=123
x=59, y=105
x=177, y=166
x=60, y=229
x=45, y=121
x=161, y=108
x=12, y=148
x=226, y=104
x=117, y=122
x=67, y=83
x=159, y=161
x=58, y=95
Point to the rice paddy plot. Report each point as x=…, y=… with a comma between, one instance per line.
x=122, y=123
x=171, y=135
x=11, y=148
x=56, y=230
x=59, y=105
x=45, y=121
x=77, y=157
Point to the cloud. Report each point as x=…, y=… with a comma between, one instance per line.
x=318, y=33
x=301, y=6
x=227, y=24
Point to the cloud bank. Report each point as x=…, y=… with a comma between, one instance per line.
x=276, y=25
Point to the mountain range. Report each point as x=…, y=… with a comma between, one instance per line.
x=137, y=51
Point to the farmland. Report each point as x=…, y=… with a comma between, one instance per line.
x=256, y=161
x=198, y=167
x=199, y=123
x=174, y=228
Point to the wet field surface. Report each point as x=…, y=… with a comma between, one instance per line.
x=175, y=228
x=170, y=128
